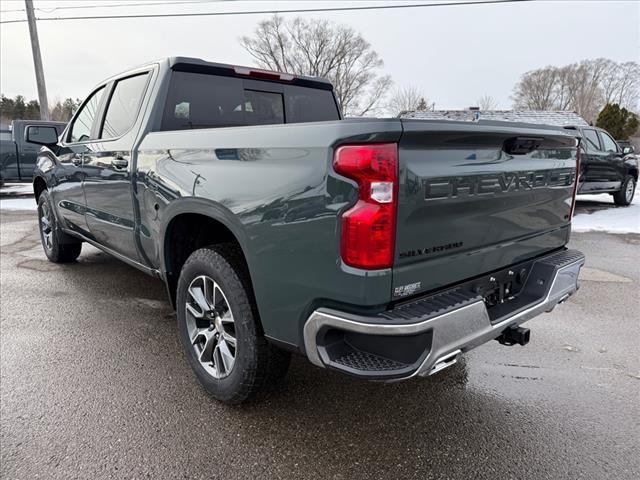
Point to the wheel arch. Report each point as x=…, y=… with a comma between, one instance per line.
x=192, y=224
x=39, y=186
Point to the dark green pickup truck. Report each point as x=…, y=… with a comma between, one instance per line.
x=382, y=248
x=19, y=147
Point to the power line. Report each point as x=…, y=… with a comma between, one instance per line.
x=77, y=7
x=263, y=12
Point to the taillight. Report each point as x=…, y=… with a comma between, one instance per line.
x=576, y=183
x=369, y=227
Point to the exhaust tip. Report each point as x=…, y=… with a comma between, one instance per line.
x=514, y=335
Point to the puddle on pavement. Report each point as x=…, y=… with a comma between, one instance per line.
x=596, y=275
x=38, y=265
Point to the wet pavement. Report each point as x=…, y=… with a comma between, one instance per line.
x=93, y=384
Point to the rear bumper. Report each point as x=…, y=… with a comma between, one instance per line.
x=426, y=335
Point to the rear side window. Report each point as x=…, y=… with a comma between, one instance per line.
x=591, y=136
x=123, y=105
x=197, y=100
x=83, y=123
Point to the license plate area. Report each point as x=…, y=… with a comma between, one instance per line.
x=502, y=291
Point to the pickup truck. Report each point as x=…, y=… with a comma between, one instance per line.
x=19, y=147
x=381, y=248
x=605, y=166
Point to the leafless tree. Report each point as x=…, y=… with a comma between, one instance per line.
x=406, y=98
x=585, y=80
x=535, y=91
x=621, y=84
x=584, y=87
x=322, y=48
x=486, y=102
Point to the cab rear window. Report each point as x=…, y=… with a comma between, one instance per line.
x=197, y=100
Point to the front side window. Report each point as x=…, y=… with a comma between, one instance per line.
x=608, y=143
x=81, y=128
x=123, y=106
x=591, y=137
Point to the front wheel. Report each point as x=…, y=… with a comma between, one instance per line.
x=624, y=196
x=58, y=246
x=219, y=328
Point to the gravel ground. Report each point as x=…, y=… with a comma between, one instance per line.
x=93, y=384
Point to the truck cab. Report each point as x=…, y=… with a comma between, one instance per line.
x=605, y=166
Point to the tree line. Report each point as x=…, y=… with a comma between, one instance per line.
x=584, y=87
x=18, y=108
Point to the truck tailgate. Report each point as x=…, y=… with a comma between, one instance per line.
x=477, y=197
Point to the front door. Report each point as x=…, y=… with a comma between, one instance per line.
x=594, y=163
x=67, y=194
x=615, y=163
x=108, y=169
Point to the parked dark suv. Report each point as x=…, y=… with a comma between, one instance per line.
x=606, y=167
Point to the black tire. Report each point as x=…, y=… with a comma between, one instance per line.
x=58, y=246
x=624, y=196
x=256, y=363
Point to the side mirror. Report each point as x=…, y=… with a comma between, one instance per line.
x=41, y=135
x=628, y=150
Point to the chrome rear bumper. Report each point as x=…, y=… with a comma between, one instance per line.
x=341, y=341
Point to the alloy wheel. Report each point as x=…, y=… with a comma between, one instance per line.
x=46, y=226
x=631, y=186
x=211, y=326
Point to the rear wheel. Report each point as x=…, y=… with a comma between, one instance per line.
x=58, y=246
x=219, y=329
x=624, y=196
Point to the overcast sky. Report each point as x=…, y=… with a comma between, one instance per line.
x=453, y=54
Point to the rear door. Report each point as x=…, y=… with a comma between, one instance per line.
x=475, y=198
x=8, y=157
x=108, y=168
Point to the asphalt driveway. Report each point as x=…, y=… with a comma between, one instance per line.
x=93, y=384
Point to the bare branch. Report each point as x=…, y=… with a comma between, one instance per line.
x=321, y=48
x=486, y=102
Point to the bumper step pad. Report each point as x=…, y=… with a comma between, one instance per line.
x=368, y=362
x=419, y=336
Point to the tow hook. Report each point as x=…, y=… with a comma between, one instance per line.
x=513, y=335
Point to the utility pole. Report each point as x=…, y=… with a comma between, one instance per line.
x=37, y=61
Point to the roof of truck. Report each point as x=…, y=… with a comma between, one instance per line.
x=198, y=65
x=173, y=61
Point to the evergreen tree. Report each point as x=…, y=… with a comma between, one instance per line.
x=7, y=106
x=619, y=122
x=19, y=108
x=32, y=111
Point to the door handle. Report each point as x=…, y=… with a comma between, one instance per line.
x=120, y=163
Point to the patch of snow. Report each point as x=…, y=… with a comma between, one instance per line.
x=16, y=189
x=610, y=219
x=18, y=204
